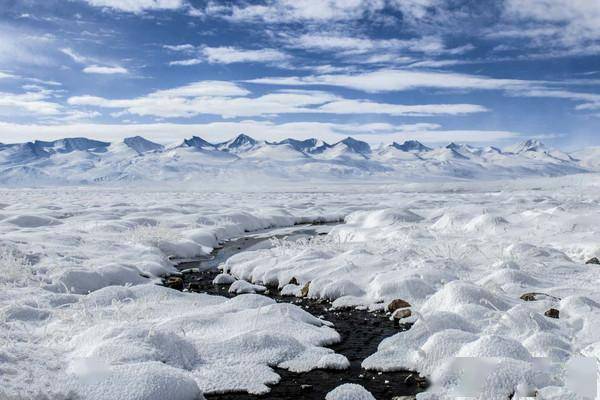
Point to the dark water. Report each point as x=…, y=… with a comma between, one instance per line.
x=361, y=333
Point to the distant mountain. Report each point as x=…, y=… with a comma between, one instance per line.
x=411, y=146
x=528, y=145
x=310, y=146
x=81, y=160
x=141, y=145
x=356, y=145
x=197, y=142
x=71, y=144
x=240, y=144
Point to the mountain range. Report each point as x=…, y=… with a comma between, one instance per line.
x=83, y=161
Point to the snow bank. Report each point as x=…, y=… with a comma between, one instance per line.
x=349, y=391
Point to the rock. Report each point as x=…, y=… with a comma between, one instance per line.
x=415, y=380
x=174, y=282
x=397, y=304
x=402, y=313
x=533, y=296
x=304, y=290
x=194, y=287
x=552, y=313
x=293, y=281
x=593, y=260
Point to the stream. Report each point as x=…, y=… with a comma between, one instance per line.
x=361, y=330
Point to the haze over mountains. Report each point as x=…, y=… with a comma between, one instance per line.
x=81, y=160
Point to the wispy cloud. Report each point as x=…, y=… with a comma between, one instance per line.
x=104, y=70
x=229, y=100
x=137, y=6
x=228, y=55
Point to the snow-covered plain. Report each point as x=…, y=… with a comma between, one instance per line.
x=82, y=315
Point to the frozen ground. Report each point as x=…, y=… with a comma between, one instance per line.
x=82, y=316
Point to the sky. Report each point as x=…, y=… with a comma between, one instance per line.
x=479, y=72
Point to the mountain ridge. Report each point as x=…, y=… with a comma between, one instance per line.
x=82, y=160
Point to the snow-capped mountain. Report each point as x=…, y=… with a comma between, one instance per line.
x=81, y=160
x=141, y=145
x=310, y=146
x=239, y=144
x=412, y=146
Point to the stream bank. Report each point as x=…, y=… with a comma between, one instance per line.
x=361, y=330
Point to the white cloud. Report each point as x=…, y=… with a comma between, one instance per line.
x=263, y=130
x=229, y=100
x=6, y=75
x=20, y=46
x=560, y=27
x=277, y=11
x=368, y=107
x=231, y=55
x=74, y=56
x=179, y=47
x=137, y=6
x=30, y=103
x=392, y=80
x=104, y=70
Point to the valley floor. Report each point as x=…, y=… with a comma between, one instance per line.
x=83, y=315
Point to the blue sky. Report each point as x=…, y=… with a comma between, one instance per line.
x=487, y=72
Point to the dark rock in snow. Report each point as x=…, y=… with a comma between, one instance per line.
x=293, y=281
x=397, y=304
x=174, y=282
x=593, y=260
x=533, y=296
x=552, y=313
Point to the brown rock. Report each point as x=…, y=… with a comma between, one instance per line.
x=552, y=313
x=293, y=281
x=174, y=282
x=593, y=260
x=533, y=296
x=304, y=290
x=397, y=304
x=402, y=313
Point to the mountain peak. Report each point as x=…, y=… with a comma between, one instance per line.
x=527, y=145
x=357, y=146
x=197, y=142
x=241, y=142
x=312, y=146
x=411, y=146
x=142, y=145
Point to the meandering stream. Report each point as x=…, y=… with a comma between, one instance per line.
x=361, y=331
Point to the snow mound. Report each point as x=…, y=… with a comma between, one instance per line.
x=349, y=391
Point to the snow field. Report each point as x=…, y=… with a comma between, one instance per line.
x=81, y=313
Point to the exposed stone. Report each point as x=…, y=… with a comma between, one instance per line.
x=534, y=296
x=304, y=290
x=194, y=287
x=293, y=281
x=593, y=260
x=552, y=313
x=415, y=380
x=397, y=304
x=174, y=282
x=402, y=313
